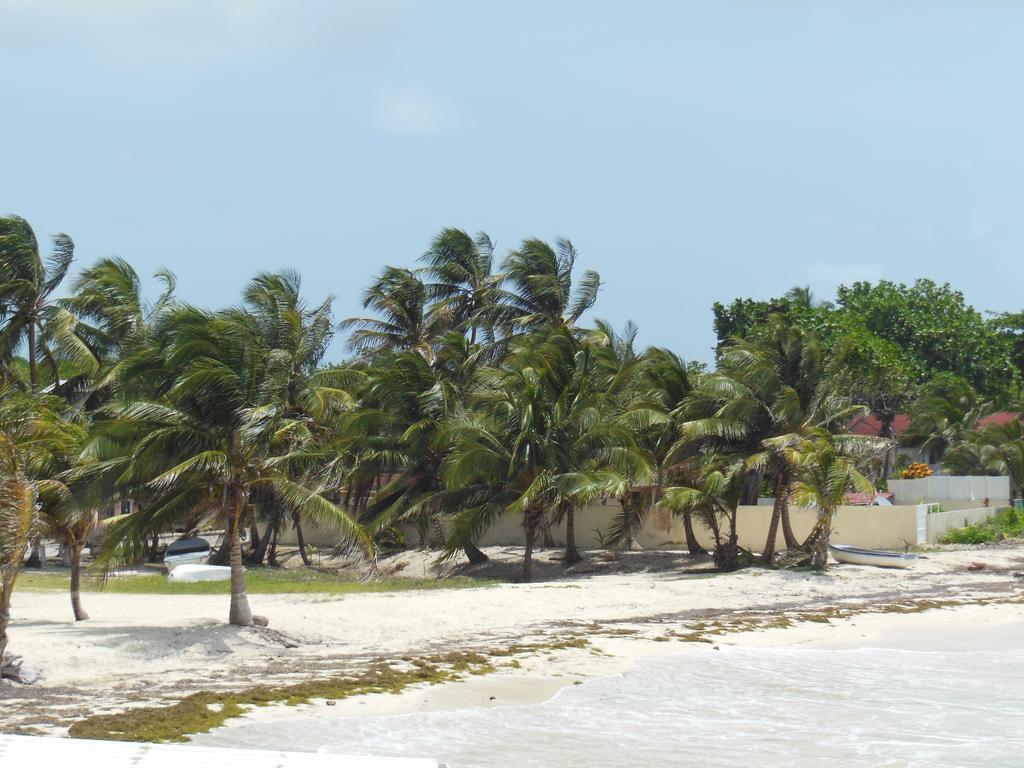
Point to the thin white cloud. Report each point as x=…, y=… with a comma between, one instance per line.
x=412, y=113
x=190, y=33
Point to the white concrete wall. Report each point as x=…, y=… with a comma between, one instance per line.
x=940, y=522
x=965, y=489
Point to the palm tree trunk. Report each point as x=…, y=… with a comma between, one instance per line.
x=75, y=550
x=792, y=542
x=37, y=558
x=476, y=557
x=240, y=615
x=751, y=487
x=259, y=554
x=817, y=541
x=887, y=432
x=572, y=555
x=531, y=522
x=692, y=545
x=781, y=503
x=33, y=374
x=438, y=530
x=272, y=549
x=6, y=588
x=297, y=524
x=727, y=554
x=545, y=531
x=254, y=539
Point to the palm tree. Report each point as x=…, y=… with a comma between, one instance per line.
x=540, y=293
x=17, y=514
x=405, y=322
x=401, y=433
x=769, y=393
x=826, y=473
x=28, y=316
x=34, y=440
x=67, y=519
x=535, y=442
x=113, y=318
x=947, y=412
x=713, y=489
x=665, y=383
x=597, y=377
x=225, y=423
x=1000, y=448
x=463, y=287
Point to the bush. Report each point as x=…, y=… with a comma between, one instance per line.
x=916, y=471
x=1007, y=523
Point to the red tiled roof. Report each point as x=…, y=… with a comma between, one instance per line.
x=866, y=499
x=871, y=425
x=1003, y=417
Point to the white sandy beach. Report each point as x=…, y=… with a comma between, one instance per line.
x=139, y=649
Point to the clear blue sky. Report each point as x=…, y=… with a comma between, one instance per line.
x=692, y=151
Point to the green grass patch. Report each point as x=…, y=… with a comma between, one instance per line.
x=257, y=582
x=1008, y=523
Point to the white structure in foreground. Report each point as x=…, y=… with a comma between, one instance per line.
x=17, y=751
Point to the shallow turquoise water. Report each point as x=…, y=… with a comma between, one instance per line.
x=734, y=707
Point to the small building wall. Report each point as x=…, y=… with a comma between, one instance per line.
x=967, y=489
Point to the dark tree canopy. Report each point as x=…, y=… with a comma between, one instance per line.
x=902, y=334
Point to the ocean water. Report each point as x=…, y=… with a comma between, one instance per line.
x=734, y=707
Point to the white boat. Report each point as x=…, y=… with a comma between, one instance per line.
x=189, y=573
x=50, y=750
x=191, y=551
x=844, y=553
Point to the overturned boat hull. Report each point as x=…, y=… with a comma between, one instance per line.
x=192, y=573
x=192, y=551
x=880, y=558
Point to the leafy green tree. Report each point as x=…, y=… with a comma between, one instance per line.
x=874, y=372
x=1010, y=325
x=934, y=325
x=742, y=316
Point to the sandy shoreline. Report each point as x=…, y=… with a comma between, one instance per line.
x=144, y=649
x=966, y=628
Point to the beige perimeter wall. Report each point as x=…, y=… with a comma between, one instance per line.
x=881, y=527
x=877, y=527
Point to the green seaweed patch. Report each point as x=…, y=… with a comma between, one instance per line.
x=703, y=631
x=206, y=710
